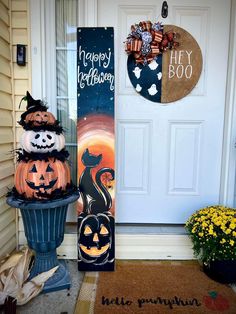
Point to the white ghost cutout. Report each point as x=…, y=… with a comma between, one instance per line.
x=152, y=90
x=159, y=75
x=137, y=72
x=138, y=88
x=153, y=65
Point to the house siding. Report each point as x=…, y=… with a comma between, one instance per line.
x=7, y=214
x=15, y=80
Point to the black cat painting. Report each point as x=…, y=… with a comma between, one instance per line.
x=95, y=195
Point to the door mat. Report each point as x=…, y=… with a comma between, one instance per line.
x=154, y=287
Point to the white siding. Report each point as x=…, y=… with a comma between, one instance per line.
x=15, y=81
x=7, y=214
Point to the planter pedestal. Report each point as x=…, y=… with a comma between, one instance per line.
x=44, y=224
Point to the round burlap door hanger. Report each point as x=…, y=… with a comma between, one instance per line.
x=164, y=61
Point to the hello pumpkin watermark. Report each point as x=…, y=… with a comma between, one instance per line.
x=213, y=301
x=142, y=302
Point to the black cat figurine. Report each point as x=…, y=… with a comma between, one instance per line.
x=95, y=196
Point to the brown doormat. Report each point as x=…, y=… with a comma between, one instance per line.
x=154, y=287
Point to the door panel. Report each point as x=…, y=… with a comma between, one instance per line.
x=169, y=155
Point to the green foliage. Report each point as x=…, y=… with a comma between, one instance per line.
x=213, y=233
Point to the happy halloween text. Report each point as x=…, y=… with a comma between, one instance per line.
x=93, y=62
x=140, y=302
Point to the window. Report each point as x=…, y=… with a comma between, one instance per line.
x=66, y=69
x=53, y=53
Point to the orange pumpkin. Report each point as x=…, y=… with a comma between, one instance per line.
x=39, y=118
x=38, y=179
x=216, y=302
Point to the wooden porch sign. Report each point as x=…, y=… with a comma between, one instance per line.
x=96, y=156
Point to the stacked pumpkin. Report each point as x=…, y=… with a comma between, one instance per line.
x=43, y=171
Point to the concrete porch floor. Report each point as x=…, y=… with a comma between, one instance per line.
x=57, y=302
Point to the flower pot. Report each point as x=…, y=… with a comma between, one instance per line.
x=222, y=271
x=44, y=224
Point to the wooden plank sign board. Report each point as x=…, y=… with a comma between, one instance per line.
x=96, y=156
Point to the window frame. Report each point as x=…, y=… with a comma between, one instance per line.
x=43, y=61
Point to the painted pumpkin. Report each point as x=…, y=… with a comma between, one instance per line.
x=95, y=238
x=216, y=302
x=42, y=141
x=40, y=178
x=39, y=118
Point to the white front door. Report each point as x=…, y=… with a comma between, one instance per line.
x=169, y=156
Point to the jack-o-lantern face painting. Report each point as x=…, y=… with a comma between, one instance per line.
x=39, y=118
x=96, y=238
x=40, y=178
x=42, y=141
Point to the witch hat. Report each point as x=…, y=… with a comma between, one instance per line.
x=32, y=106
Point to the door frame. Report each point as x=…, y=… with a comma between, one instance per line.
x=42, y=68
x=227, y=189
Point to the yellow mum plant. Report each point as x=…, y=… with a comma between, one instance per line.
x=213, y=233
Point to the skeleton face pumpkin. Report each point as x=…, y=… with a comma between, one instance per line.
x=95, y=238
x=38, y=179
x=42, y=141
x=39, y=118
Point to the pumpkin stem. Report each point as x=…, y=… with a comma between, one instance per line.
x=213, y=294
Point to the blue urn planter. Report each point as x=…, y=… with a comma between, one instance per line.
x=44, y=224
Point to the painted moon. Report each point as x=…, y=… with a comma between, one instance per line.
x=173, y=74
x=97, y=133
